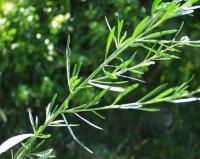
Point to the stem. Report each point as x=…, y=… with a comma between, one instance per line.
x=24, y=151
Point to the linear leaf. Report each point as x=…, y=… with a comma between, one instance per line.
x=185, y=100
x=111, y=88
x=13, y=141
x=155, y=5
x=140, y=27
x=88, y=122
x=149, y=109
x=119, y=29
x=128, y=90
x=74, y=137
x=50, y=105
x=68, y=54
x=164, y=94
x=110, y=75
x=98, y=115
x=159, y=34
x=109, y=41
x=153, y=92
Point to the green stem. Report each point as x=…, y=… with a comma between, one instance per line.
x=24, y=151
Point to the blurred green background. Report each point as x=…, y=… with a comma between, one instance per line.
x=33, y=35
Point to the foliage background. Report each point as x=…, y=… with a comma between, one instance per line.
x=33, y=38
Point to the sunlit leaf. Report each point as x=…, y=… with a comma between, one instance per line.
x=109, y=41
x=153, y=92
x=140, y=27
x=13, y=141
x=111, y=88
x=74, y=137
x=149, y=109
x=159, y=34
x=110, y=75
x=128, y=90
x=155, y=5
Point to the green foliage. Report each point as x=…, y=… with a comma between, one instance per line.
x=46, y=39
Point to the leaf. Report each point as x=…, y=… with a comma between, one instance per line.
x=192, y=8
x=184, y=13
x=31, y=118
x=129, y=106
x=153, y=92
x=74, y=137
x=65, y=104
x=3, y=115
x=164, y=94
x=125, y=64
x=88, y=122
x=114, y=83
x=68, y=54
x=78, y=68
x=128, y=90
x=110, y=75
x=155, y=5
x=140, y=27
x=165, y=55
x=98, y=115
x=44, y=136
x=13, y=141
x=160, y=54
x=47, y=155
x=111, y=88
x=149, y=109
x=119, y=29
x=123, y=38
x=44, y=154
x=50, y=105
x=144, y=64
x=109, y=41
x=185, y=100
x=159, y=34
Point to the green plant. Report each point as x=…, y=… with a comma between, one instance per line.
x=117, y=75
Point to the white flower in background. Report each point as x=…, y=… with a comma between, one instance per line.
x=59, y=19
x=30, y=18
x=55, y=24
x=185, y=39
x=2, y=21
x=46, y=41
x=22, y=10
x=50, y=47
x=38, y=35
x=8, y=7
x=14, y=46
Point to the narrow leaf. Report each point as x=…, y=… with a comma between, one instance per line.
x=155, y=5
x=88, y=122
x=68, y=54
x=111, y=88
x=110, y=75
x=109, y=41
x=129, y=106
x=119, y=29
x=128, y=90
x=51, y=104
x=164, y=94
x=74, y=137
x=153, y=92
x=13, y=141
x=98, y=115
x=149, y=109
x=159, y=34
x=192, y=99
x=140, y=27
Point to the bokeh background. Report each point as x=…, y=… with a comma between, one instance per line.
x=33, y=35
